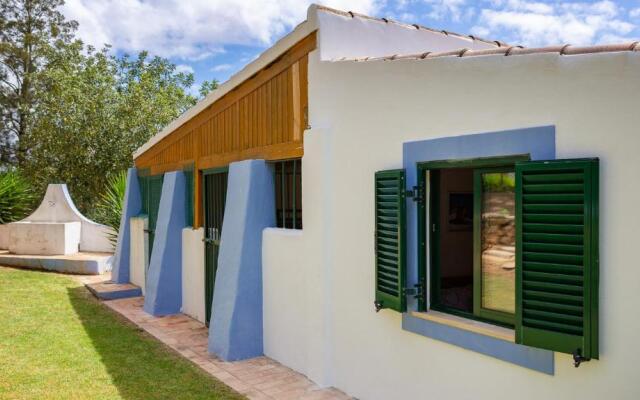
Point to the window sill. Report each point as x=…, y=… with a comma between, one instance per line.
x=284, y=231
x=479, y=337
x=478, y=327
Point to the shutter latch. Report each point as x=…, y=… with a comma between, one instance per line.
x=416, y=194
x=578, y=358
x=417, y=291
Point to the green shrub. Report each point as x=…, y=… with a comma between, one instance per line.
x=16, y=197
x=109, y=206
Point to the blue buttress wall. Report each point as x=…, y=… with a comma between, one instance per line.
x=131, y=207
x=235, y=332
x=164, y=277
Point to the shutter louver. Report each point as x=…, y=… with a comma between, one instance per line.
x=390, y=239
x=557, y=256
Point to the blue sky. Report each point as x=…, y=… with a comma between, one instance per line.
x=216, y=38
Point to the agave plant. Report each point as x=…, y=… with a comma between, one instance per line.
x=109, y=206
x=16, y=197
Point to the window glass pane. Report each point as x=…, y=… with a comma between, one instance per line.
x=498, y=241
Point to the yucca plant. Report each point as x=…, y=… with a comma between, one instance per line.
x=16, y=197
x=109, y=206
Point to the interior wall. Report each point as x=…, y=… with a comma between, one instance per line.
x=456, y=243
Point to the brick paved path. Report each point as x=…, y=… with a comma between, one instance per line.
x=257, y=378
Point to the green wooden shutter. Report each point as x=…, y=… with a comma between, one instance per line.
x=557, y=255
x=390, y=239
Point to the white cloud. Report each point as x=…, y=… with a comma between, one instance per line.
x=635, y=13
x=187, y=69
x=221, y=67
x=193, y=29
x=529, y=6
x=441, y=9
x=537, y=24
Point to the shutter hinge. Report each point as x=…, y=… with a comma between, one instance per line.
x=578, y=358
x=416, y=194
x=417, y=291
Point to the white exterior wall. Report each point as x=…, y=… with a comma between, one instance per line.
x=361, y=114
x=282, y=249
x=193, y=273
x=138, y=259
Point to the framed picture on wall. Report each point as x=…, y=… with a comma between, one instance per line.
x=460, y=208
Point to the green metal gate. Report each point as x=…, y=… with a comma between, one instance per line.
x=151, y=187
x=215, y=196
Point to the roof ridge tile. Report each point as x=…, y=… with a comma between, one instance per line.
x=563, y=50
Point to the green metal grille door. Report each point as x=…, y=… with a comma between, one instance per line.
x=155, y=191
x=215, y=196
x=557, y=256
x=151, y=188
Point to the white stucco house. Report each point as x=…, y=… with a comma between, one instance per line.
x=402, y=213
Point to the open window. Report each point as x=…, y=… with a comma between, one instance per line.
x=507, y=241
x=471, y=221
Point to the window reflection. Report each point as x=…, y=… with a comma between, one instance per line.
x=498, y=241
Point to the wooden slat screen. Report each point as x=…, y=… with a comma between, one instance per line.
x=263, y=117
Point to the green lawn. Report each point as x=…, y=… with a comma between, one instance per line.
x=58, y=342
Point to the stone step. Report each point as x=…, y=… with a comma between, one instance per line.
x=511, y=249
x=110, y=290
x=502, y=262
x=504, y=254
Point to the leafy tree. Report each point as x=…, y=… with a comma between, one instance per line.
x=28, y=30
x=75, y=114
x=207, y=86
x=97, y=109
